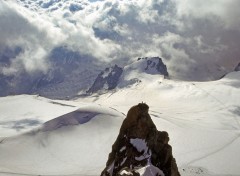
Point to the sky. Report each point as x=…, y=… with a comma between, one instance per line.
x=197, y=40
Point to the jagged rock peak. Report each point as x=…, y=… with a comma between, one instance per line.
x=107, y=79
x=237, y=68
x=154, y=64
x=140, y=149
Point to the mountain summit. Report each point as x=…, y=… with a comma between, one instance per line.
x=153, y=65
x=140, y=149
x=135, y=72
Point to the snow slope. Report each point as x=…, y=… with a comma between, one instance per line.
x=56, y=150
x=24, y=112
x=202, y=119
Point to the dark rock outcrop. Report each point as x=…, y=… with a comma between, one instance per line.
x=140, y=149
x=237, y=68
x=155, y=63
x=107, y=79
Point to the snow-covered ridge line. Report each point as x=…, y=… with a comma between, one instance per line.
x=117, y=78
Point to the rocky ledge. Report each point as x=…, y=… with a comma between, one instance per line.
x=140, y=149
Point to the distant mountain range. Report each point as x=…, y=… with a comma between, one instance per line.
x=72, y=74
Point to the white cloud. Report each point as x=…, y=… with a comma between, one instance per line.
x=37, y=34
x=188, y=34
x=27, y=31
x=226, y=10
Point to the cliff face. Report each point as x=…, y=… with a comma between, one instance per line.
x=154, y=65
x=140, y=149
x=107, y=79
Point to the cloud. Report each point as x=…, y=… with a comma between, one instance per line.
x=19, y=29
x=194, y=38
x=38, y=34
x=227, y=11
x=198, y=40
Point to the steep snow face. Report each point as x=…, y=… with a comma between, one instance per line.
x=148, y=65
x=72, y=118
x=142, y=69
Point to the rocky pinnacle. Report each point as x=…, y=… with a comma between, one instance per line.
x=140, y=149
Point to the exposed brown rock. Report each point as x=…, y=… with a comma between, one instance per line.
x=140, y=148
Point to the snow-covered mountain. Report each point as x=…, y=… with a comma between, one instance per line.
x=119, y=77
x=72, y=74
x=143, y=68
x=69, y=135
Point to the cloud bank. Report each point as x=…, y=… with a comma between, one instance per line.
x=197, y=40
